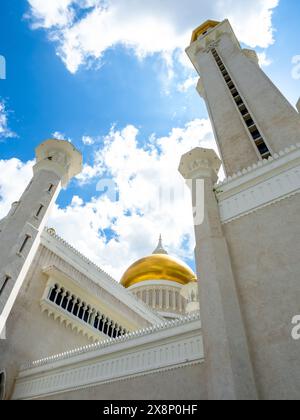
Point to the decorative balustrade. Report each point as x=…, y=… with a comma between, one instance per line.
x=263, y=184
x=255, y=166
x=169, y=346
x=76, y=307
x=111, y=341
x=131, y=299
x=162, y=299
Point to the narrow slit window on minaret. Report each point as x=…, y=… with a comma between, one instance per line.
x=249, y=121
x=256, y=134
x=27, y=237
x=239, y=101
x=50, y=188
x=39, y=210
x=244, y=111
x=263, y=148
x=6, y=280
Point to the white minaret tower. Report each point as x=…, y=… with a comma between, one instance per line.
x=252, y=120
x=57, y=162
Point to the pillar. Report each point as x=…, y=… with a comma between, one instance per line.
x=228, y=364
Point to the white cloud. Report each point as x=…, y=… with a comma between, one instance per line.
x=87, y=174
x=146, y=27
x=5, y=131
x=14, y=177
x=188, y=83
x=88, y=140
x=116, y=233
x=140, y=176
x=47, y=14
x=264, y=61
x=61, y=136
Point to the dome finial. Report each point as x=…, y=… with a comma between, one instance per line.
x=160, y=249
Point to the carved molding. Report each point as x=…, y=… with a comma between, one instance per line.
x=76, y=325
x=205, y=43
x=260, y=185
x=167, y=346
x=103, y=344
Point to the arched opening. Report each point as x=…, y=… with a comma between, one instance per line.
x=2, y=385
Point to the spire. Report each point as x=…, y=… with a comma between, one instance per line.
x=160, y=249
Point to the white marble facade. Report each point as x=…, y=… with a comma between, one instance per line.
x=85, y=335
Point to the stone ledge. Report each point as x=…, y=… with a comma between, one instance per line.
x=162, y=349
x=260, y=185
x=109, y=342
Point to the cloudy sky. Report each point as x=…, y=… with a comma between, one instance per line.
x=111, y=76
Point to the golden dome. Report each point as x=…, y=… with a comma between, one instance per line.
x=159, y=266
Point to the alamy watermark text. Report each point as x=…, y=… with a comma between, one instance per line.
x=296, y=329
x=296, y=68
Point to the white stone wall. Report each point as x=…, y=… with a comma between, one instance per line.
x=159, y=349
x=32, y=334
x=265, y=248
x=186, y=383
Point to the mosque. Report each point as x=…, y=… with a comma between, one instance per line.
x=70, y=331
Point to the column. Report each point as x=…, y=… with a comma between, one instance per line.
x=174, y=300
x=229, y=368
x=167, y=299
x=160, y=299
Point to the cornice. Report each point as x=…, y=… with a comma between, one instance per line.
x=260, y=185
x=205, y=43
x=252, y=170
x=112, y=341
x=163, y=347
x=153, y=283
x=59, y=246
x=74, y=388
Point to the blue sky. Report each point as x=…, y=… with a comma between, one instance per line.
x=120, y=80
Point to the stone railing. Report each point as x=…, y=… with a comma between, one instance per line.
x=166, y=299
x=120, y=290
x=109, y=342
x=164, y=347
x=266, y=182
x=258, y=165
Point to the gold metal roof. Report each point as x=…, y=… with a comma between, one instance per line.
x=203, y=28
x=158, y=267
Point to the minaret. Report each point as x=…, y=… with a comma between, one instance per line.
x=56, y=163
x=251, y=118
